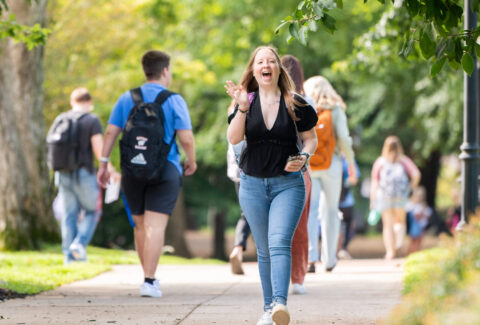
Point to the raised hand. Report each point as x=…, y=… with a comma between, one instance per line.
x=237, y=93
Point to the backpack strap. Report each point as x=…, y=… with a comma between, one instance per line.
x=137, y=96
x=163, y=96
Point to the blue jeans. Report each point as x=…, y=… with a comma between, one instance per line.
x=326, y=188
x=272, y=207
x=77, y=190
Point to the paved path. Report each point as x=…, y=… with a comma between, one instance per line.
x=356, y=292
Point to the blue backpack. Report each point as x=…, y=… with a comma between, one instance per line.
x=143, y=151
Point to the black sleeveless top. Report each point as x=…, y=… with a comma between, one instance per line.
x=267, y=151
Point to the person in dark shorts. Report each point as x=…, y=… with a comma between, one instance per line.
x=151, y=202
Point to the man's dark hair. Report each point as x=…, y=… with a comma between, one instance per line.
x=153, y=63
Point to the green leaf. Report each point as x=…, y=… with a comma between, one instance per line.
x=339, y=4
x=318, y=10
x=280, y=26
x=453, y=64
x=312, y=25
x=290, y=39
x=441, y=30
x=413, y=6
x=329, y=23
x=407, y=45
x=303, y=35
x=440, y=48
x=298, y=14
x=437, y=67
x=294, y=28
x=300, y=5
x=468, y=64
x=458, y=49
x=454, y=16
x=427, y=45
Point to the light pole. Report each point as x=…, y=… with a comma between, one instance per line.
x=469, y=147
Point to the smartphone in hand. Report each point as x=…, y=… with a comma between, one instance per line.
x=290, y=160
x=294, y=157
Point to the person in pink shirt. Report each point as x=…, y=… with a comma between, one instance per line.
x=394, y=175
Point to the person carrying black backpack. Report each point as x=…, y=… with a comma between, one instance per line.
x=150, y=118
x=72, y=140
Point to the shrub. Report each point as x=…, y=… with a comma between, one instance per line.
x=442, y=285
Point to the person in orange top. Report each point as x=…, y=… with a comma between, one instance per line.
x=326, y=166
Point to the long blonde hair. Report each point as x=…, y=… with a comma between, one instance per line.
x=285, y=83
x=318, y=86
x=392, y=148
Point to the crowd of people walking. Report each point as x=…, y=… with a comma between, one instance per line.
x=290, y=156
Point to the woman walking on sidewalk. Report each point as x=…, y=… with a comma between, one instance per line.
x=300, y=238
x=272, y=190
x=326, y=165
x=393, y=175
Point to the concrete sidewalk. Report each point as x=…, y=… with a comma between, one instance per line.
x=356, y=292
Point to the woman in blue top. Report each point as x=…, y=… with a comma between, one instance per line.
x=272, y=190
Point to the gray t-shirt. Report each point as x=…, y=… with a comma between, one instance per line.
x=89, y=125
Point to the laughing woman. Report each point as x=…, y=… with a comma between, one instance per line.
x=272, y=192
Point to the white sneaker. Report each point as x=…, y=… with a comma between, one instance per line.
x=280, y=315
x=344, y=255
x=298, y=289
x=266, y=318
x=157, y=284
x=78, y=252
x=150, y=290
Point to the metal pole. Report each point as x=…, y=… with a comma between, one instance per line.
x=469, y=147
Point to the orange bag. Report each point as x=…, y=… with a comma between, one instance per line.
x=322, y=158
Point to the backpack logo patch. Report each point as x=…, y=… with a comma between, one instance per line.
x=141, y=143
x=139, y=160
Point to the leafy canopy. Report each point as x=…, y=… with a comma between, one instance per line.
x=435, y=25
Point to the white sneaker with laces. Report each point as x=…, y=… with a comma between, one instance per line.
x=298, y=289
x=280, y=315
x=150, y=290
x=266, y=318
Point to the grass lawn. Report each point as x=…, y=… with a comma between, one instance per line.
x=31, y=272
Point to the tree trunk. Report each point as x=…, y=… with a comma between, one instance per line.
x=175, y=233
x=26, y=217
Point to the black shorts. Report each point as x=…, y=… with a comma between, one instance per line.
x=157, y=195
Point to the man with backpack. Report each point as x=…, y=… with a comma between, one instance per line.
x=72, y=140
x=150, y=118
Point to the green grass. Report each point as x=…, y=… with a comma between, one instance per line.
x=31, y=272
